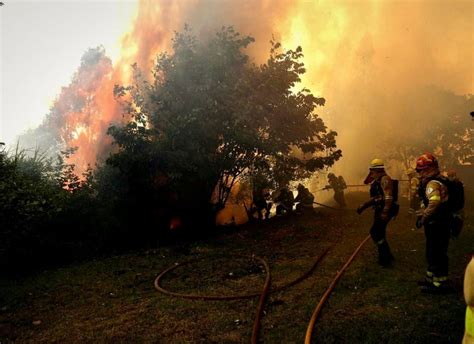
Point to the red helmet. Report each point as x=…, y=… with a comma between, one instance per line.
x=426, y=161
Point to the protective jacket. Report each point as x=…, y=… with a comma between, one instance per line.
x=434, y=195
x=381, y=195
x=469, y=298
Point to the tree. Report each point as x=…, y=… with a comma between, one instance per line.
x=443, y=128
x=210, y=116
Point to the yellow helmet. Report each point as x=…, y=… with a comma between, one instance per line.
x=376, y=164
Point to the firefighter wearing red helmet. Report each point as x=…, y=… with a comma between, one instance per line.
x=384, y=205
x=435, y=217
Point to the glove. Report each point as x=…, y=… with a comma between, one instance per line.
x=419, y=222
x=360, y=209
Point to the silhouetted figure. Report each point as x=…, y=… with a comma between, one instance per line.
x=304, y=198
x=285, y=200
x=383, y=201
x=338, y=184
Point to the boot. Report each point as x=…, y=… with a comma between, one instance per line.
x=427, y=281
x=385, y=255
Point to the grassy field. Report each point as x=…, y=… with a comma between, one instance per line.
x=114, y=300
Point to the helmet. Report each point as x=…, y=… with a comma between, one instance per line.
x=376, y=164
x=426, y=161
x=331, y=175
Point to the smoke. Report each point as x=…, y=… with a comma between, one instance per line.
x=381, y=66
x=385, y=68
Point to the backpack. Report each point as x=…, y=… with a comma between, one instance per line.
x=342, y=182
x=455, y=202
x=455, y=187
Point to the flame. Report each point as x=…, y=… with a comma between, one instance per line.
x=363, y=57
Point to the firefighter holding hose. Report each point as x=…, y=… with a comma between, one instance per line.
x=383, y=199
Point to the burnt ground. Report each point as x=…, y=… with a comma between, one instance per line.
x=114, y=300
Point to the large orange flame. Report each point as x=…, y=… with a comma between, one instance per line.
x=364, y=57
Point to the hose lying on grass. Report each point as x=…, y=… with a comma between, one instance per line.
x=317, y=311
x=263, y=295
x=266, y=288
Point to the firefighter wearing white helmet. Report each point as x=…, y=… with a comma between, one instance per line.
x=383, y=194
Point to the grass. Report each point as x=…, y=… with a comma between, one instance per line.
x=114, y=300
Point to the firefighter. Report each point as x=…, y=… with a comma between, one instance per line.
x=469, y=298
x=338, y=184
x=382, y=201
x=435, y=217
x=414, y=182
x=304, y=198
x=261, y=197
x=286, y=201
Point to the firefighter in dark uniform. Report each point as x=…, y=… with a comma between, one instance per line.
x=435, y=217
x=285, y=200
x=304, y=198
x=261, y=200
x=381, y=199
x=338, y=184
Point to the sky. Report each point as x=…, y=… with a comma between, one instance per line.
x=41, y=44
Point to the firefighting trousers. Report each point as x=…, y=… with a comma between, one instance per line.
x=437, y=235
x=339, y=198
x=378, y=232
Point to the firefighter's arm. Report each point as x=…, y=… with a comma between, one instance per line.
x=367, y=204
x=433, y=195
x=386, y=183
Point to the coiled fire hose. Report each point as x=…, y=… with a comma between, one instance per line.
x=263, y=295
x=266, y=289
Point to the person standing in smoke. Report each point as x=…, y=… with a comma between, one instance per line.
x=382, y=201
x=338, y=184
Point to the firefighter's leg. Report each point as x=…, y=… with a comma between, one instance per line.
x=377, y=232
x=437, y=253
x=428, y=279
x=441, y=260
x=343, y=199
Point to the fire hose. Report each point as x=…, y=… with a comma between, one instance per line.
x=263, y=295
x=317, y=311
x=266, y=289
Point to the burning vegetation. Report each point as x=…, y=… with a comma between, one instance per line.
x=181, y=122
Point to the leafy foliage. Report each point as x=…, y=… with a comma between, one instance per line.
x=209, y=116
x=45, y=209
